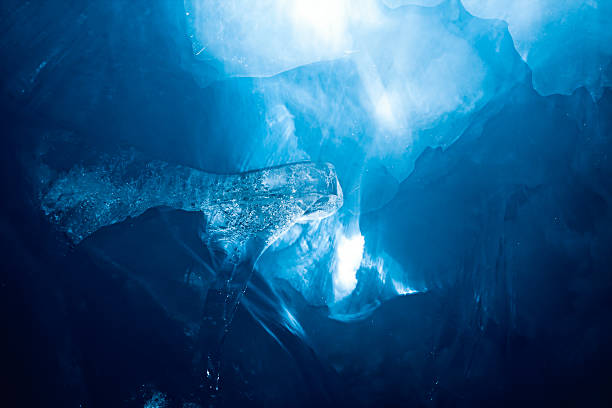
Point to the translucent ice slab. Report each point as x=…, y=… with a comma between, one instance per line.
x=259, y=204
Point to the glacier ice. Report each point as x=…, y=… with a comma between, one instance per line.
x=399, y=3
x=244, y=213
x=373, y=113
x=506, y=227
x=258, y=204
x=567, y=44
x=295, y=32
x=389, y=106
x=392, y=104
x=334, y=93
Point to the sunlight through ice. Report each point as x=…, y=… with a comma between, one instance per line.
x=403, y=289
x=349, y=253
x=322, y=18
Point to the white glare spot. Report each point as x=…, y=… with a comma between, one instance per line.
x=384, y=110
x=349, y=253
x=402, y=289
x=323, y=18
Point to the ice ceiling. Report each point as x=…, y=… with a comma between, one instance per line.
x=369, y=85
x=471, y=140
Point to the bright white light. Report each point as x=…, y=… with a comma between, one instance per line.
x=266, y=37
x=384, y=111
x=324, y=19
x=402, y=289
x=349, y=253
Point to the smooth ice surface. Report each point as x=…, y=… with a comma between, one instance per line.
x=398, y=3
x=295, y=32
x=387, y=105
x=567, y=43
x=374, y=113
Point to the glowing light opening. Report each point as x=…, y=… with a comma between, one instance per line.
x=325, y=19
x=403, y=289
x=349, y=254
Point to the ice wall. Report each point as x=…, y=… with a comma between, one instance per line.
x=567, y=44
x=461, y=181
x=294, y=32
x=336, y=88
x=370, y=111
x=387, y=103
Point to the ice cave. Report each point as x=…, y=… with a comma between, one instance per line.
x=306, y=203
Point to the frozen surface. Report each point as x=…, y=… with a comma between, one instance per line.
x=258, y=204
x=388, y=106
x=244, y=214
x=424, y=3
x=567, y=44
x=295, y=32
x=467, y=267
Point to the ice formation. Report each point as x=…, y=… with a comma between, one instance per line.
x=257, y=204
x=350, y=101
x=567, y=44
x=244, y=213
x=332, y=85
x=399, y=3
x=296, y=32
x=299, y=33
x=459, y=179
x=391, y=104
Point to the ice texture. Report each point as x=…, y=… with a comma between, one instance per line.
x=389, y=106
x=504, y=220
x=567, y=44
x=295, y=33
x=399, y=3
x=258, y=204
x=374, y=109
x=373, y=114
x=244, y=214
